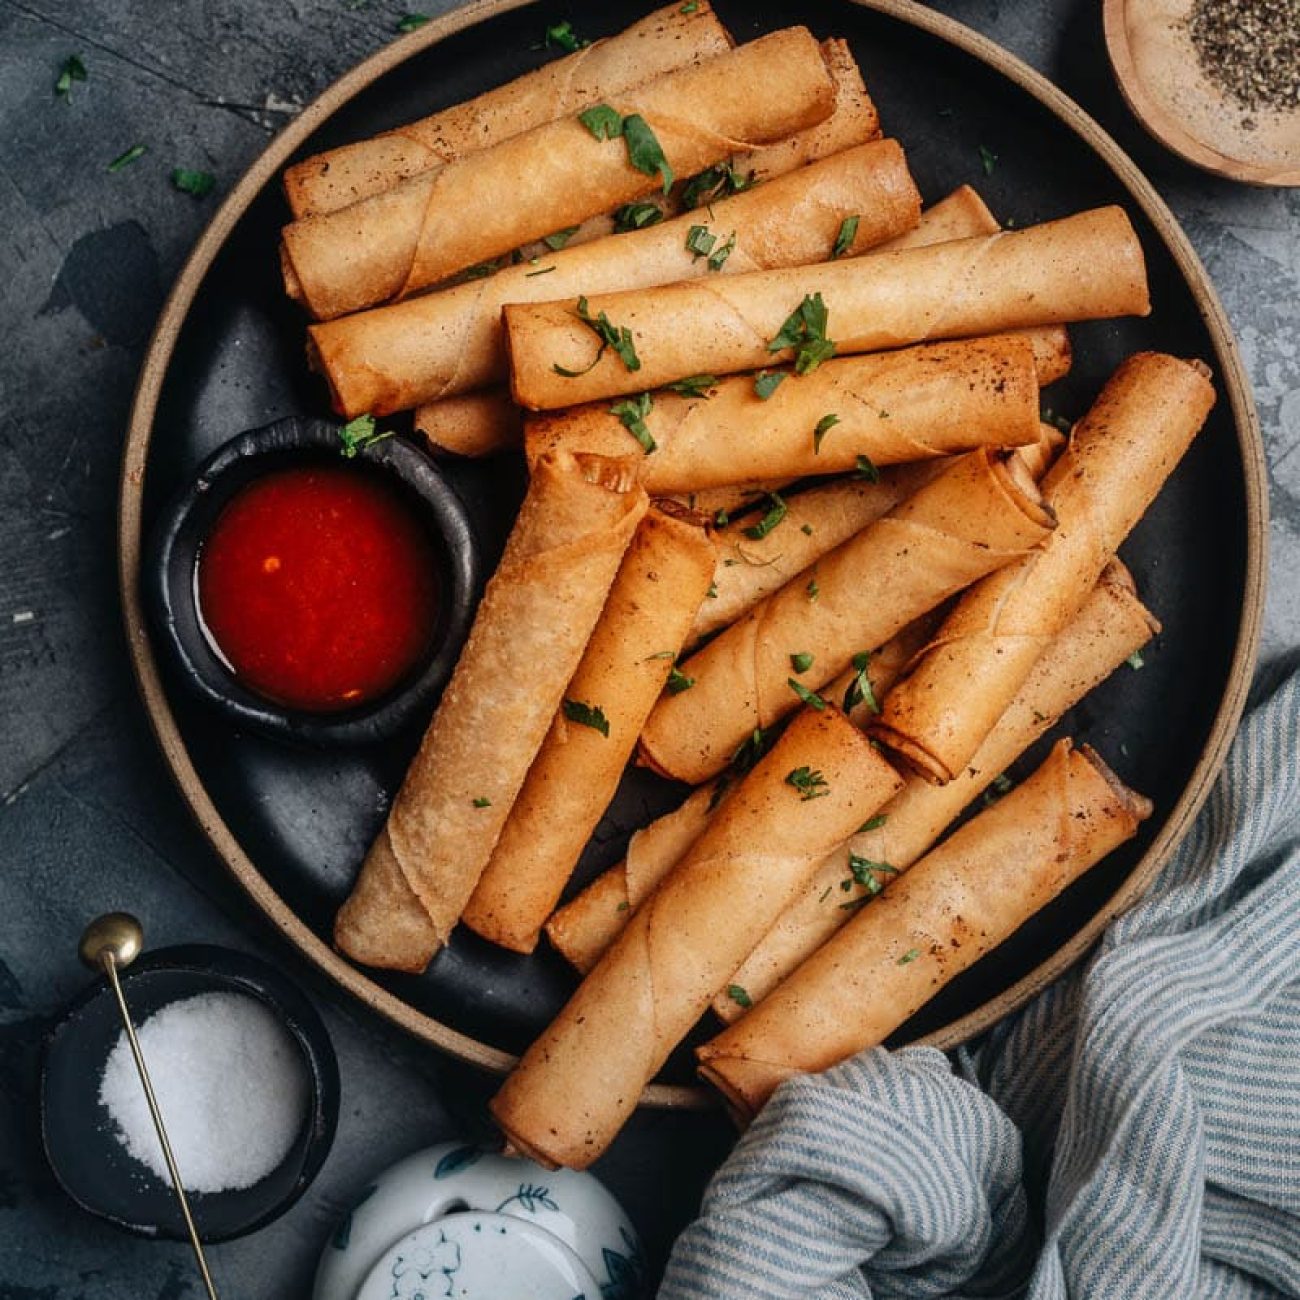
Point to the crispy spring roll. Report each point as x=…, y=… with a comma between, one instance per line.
x=958, y=903
x=431, y=347
x=484, y=204
x=1079, y=268
x=587, y=925
x=472, y=424
x=981, y=513
x=663, y=578
x=659, y=43
x=1110, y=627
x=579, y=1082
x=958, y=215
x=1119, y=456
x=914, y=404
x=528, y=636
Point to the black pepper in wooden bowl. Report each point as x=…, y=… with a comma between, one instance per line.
x=1250, y=49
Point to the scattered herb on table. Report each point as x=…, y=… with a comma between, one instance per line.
x=632, y=413
x=989, y=159
x=824, y=425
x=804, y=331
x=561, y=36
x=126, y=159
x=1135, y=660
x=776, y=511
x=73, y=70
x=411, y=22
x=810, y=783
x=199, y=184
x=848, y=232
x=586, y=715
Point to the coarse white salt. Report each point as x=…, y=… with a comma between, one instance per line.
x=230, y=1081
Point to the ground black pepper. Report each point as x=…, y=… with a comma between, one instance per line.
x=1251, y=49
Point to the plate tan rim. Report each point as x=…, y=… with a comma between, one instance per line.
x=144, y=407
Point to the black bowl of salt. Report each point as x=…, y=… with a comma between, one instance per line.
x=245, y=1076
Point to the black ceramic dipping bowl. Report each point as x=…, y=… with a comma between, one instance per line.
x=168, y=579
x=90, y=1162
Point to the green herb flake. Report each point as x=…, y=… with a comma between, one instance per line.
x=988, y=159
x=824, y=425
x=558, y=240
x=813, y=589
x=801, y=662
x=1061, y=422
x=748, y=752
x=623, y=906
x=359, y=435
x=739, y=996
x=586, y=715
x=126, y=159
x=865, y=468
x=776, y=511
x=721, y=518
x=199, y=184
x=689, y=7
x=632, y=413
x=678, y=681
x=602, y=121
x=810, y=698
x=860, y=689
x=561, y=36
x=1135, y=660
x=766, y=383
x=998, y=787
x=480, y=802
x=712, y=593
x=873, y=823
x=411, y=22
x=713, y=183
x=847, y=234
x=694, y=385
x=723, y=251
x=637, y=216
x=700, y=242
x=610, y=336
x=806, y=529
x=804, y=331
x=810, y=783
x=546, y=270
x=644, y=151
x=73, y=70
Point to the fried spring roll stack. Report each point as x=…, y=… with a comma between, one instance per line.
x=483, y=204
x=955, y=905
x=578, y=1083
x=1110, y=627
x=472, y=424
x=587, y=925
x=914, y=404
x=663, y=578
x=1120, y=454
x=958, y=215
x=431, y=347
x=533, y=622
x=982, y=512
x=659, y=43
x=1083, y=267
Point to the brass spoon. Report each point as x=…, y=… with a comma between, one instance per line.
x=111, y=943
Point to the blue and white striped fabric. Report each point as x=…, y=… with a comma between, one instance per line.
x=1135, y=1132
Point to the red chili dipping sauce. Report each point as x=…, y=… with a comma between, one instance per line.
x=318, y=586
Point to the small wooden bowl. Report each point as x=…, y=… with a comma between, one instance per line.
x=1161, y=80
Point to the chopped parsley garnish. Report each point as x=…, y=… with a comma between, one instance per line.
x=775, y=513
x=989, y=159
x=660, y=654
x=689, y=7
x=765, y=383
x=810, y=783
x=712, y=593
x=127, y=158
x=561, y=36
x=750, y=751
x=806, y=529
x=723, y=251
x=546, y=270
x=736, y=993
x=695, y=385
x=359, y=435
x=586, y=715
x=632, y=413
x=873, y=823
x=73, y=70
x=702, y=242
x=824, y=425
x=623, y=906
x=813, y=589
x=1135, y=660
x=909, y=956
x=847, y=234
x=801, y=662
x=602, y=121
x=480, y=802
x=721, y=518
x=713, y=183
x=999, y=786
x=1048, y=416
x=866, y=468
x=481, y=270
x=860, y=690
x=678, y=681
x=610, y=336
x=637, y=216
x=805, y=332
x=810, y=698
x=868, y=874
x=411, y=22
x=558, y=240
x=199, y=184
x=644, y=151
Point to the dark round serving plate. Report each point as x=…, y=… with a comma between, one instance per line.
x=228, y=355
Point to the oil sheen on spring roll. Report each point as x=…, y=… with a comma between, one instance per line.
x=661, y=42
x=1119, y=456
x=1110, y=627
x=959, y=902
x=582, y=929
x=1083, y=267
x=627, y=662
x=399, y=356
x=980, y=514
x=484, y=204
x=532, y=624
x=578, y=1083
x=914, y=404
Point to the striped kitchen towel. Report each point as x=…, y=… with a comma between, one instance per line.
x=1134, y=1132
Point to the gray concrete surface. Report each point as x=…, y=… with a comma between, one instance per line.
x=88, y=818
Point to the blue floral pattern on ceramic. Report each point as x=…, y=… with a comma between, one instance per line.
x=416, y=1275
x=626, y=1269
x=531, y=1198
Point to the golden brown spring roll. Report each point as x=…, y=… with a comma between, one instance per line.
x=1112, y=624
x=958, y=215
x=579, y=1082
x=659, y=43
x=484, y=204
x=431, y=347
x=627, y=662
x=914, y=404
x=958, y=903
x=1119, y=456
x=528, y=636
x=1079, y=268
x=982, y=512
x=591, y=921
x=472, y=424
